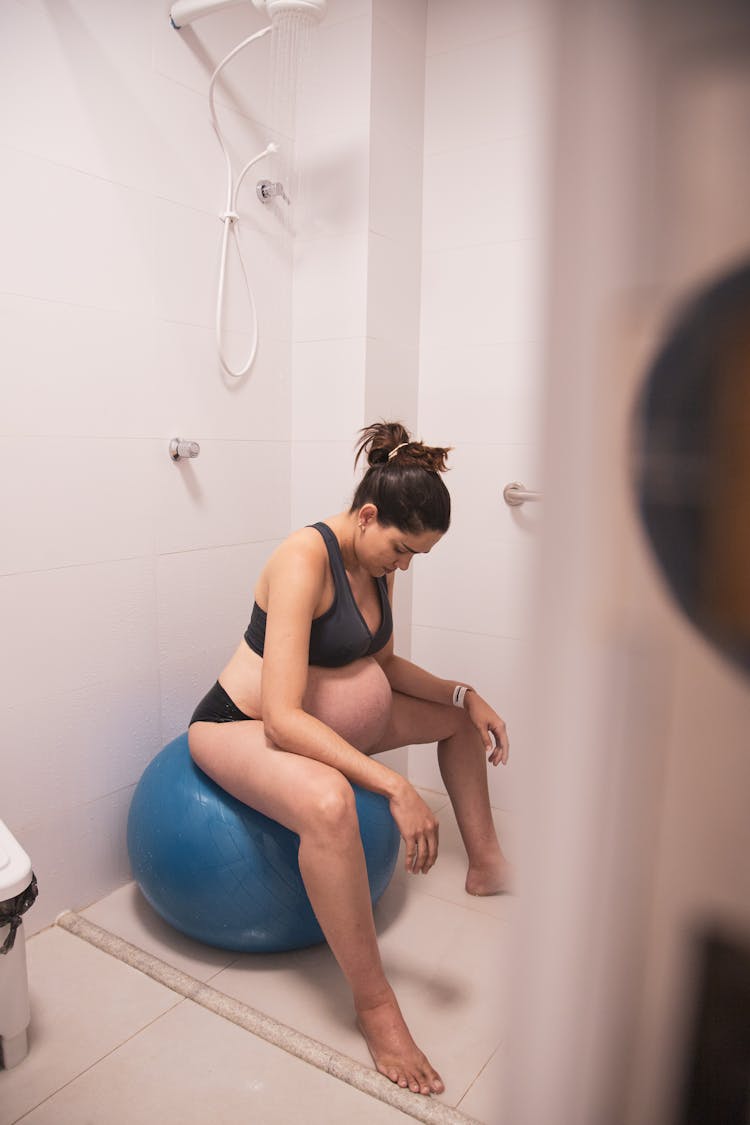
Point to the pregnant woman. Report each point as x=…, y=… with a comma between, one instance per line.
x=315, y=689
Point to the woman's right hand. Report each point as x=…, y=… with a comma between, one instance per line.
x=418, y=826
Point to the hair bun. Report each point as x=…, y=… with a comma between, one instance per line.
x=388, y=442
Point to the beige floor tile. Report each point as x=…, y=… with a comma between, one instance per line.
x=484, y=1098
x=191, y=1067
x=447, y=878
x=84, y=1004
x=436, y=801
x=304, y=990
x=127, y=914
x=445, y=962
x=448, y=966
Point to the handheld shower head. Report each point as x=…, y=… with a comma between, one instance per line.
x=290, y=30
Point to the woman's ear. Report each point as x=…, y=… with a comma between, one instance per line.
x=368, y=513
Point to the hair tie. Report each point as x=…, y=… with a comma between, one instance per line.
x=393, y=452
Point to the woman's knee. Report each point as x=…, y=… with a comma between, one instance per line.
x=330, y=809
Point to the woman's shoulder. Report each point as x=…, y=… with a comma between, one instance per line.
x=304, y=549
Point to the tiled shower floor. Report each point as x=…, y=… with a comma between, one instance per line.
x=110, y=1045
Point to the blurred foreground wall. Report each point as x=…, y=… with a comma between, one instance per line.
x=636, y=829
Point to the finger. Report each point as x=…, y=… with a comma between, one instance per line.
x=418, y=854
x=432, y=849
x=502, y=746
x=412, y=855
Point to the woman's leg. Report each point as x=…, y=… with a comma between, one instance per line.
x=461, y=758
x=317, y=802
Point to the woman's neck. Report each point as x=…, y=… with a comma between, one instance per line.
x=344, y=527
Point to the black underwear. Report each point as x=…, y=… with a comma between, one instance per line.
x=217, y=707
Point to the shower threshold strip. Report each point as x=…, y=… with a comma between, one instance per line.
x=340, y=1066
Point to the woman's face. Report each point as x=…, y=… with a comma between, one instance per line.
x=382, y=550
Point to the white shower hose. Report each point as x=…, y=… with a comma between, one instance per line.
x=230, y=218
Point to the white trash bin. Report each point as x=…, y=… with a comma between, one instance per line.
x=17, y=893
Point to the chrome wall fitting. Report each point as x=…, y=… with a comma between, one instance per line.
x=180, y=448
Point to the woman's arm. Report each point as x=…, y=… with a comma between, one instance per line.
x=410, y=679
x=296, y=582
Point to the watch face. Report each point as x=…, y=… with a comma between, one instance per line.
x=692, y=462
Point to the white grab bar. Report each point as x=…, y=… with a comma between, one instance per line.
x=515, y=494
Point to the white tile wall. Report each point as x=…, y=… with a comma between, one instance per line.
x=70, y=502
x=395, y=198
x=333, y=196
x=120, y=571
x=394, y=261
x=204, y=602
x=323, y=479
x=492, y=194
x=76, y=627
x=330, y=288
x=496, y=666
x=450, y=26
x=71, y=237
x=406, y=20
x=478, y=93
x=475, y=587
x=74, y=370
x=481, y=312
x=337, y=85
x=480, y=393
x=393, y=271
x=482, y=294
x=235, y=492
x=189, y=57
x=392, y=381
x=398, y=77
x=108, y=735
x=124, y=572
x=78, y=854
x=193, y=398
x=329, y=388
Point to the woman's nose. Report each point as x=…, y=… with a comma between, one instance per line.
x=403, y=564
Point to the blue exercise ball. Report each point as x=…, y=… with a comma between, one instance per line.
x=223, y=873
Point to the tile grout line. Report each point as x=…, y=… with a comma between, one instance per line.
x=327, y=1059
x=476, y=1078
x=97, y=1062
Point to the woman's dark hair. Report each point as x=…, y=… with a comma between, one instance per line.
x=403, y=479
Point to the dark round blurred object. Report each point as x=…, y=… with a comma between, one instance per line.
x=692, y=463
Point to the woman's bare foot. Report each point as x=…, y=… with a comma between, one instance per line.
x=493, y=878
x=393, y=1050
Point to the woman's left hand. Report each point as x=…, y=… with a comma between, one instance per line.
x=490, y=726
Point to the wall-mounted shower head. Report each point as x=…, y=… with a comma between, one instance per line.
x=316, y=9
x=184, y=12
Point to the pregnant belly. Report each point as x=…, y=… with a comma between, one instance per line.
x=355, y=701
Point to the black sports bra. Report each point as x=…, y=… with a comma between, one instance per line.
x=340, y=635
